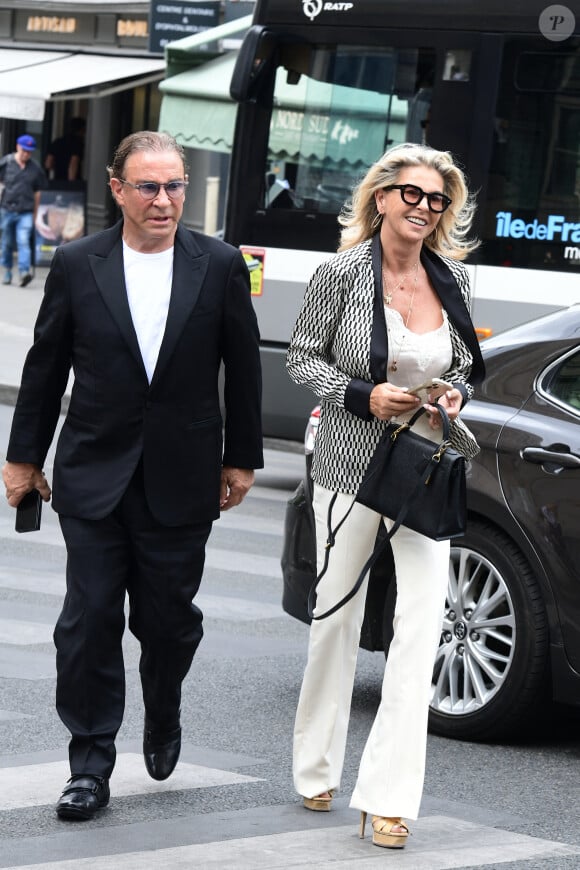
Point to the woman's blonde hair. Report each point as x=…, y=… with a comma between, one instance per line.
x=360, y=219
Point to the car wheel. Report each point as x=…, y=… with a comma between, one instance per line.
x=491, y=669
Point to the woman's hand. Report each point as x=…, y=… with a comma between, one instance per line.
x=451, y=401
x=387, y=401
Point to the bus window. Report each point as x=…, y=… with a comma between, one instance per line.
x=532, y=212
x=457, y=66
x=335, y=114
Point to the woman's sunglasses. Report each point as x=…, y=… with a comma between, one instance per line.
x=412, y=195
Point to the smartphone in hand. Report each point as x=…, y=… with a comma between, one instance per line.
x=430, y=391
x=28, y=512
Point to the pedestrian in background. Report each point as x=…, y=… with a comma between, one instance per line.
x=64, y=157
x=23, y=179
x=146, y=312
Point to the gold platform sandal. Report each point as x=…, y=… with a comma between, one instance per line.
x=383, y=833
x=320, y=803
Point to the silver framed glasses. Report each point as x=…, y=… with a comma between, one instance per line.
x=149, y=190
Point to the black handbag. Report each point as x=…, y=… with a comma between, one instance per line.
x=416, y=482
x=413, y=481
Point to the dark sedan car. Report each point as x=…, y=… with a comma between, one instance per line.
x=510, y=638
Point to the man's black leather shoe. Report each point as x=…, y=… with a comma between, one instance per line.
x=82, y=796
x=161, y=750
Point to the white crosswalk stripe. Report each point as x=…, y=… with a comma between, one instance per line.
x=38, y=784
x=23, y=633
x=442, y=844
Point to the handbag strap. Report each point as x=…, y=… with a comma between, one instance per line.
x=399, y=520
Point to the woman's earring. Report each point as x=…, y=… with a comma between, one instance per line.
x=376, y=222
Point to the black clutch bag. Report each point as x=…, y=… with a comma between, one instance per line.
x=413, y=481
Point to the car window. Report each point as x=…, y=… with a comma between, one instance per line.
x=564, y=382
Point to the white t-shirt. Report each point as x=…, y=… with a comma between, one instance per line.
x=148, y=278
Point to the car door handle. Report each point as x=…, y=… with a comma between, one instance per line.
x=541, y=457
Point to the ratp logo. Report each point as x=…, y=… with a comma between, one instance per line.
x=312, y=8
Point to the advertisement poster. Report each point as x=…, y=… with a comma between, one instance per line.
x=254, y=258
x=60, y=218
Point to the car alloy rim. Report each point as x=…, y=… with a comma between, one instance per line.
x=478, y=636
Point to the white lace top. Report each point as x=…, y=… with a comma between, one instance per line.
x=419, y=356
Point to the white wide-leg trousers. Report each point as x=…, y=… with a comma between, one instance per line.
x=392, y=768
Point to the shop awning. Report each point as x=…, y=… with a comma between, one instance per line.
x=197, y=108
x=29, y=79
x=341, y=126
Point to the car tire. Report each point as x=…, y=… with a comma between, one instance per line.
x=491, y=673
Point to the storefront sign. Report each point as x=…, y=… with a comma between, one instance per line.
x=170, y=21
x=50, y=24
x=132, y=28
x=81, y=28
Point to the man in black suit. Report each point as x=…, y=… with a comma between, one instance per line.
x=145, y=313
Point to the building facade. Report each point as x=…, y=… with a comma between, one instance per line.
x=66, y=60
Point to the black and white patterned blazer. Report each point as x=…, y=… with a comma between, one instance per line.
x=339, y=349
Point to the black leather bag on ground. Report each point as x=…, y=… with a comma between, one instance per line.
x=413, y=481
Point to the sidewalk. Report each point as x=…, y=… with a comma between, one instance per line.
x=18, y=309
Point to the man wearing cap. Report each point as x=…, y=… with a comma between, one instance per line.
x=23, y=179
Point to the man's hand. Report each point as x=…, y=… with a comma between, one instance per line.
x=22, y=477
x=234, y=485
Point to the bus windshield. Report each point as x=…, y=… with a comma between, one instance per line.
x=330, y=123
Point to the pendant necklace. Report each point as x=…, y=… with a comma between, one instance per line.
x=393, y=365
x=388, y=294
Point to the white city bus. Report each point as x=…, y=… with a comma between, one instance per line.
x=324, y=87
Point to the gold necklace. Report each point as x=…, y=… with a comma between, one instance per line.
x=388, y=294
x=393, y=366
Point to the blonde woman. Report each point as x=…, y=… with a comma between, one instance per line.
x=391, y=310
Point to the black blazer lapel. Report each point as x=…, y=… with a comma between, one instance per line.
x=190, y=266
x=379, y=340
x=109, y=274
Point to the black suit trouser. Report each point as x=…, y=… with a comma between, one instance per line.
x=160, y=569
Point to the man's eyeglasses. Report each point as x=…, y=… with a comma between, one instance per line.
x=412, y=195
x=150, y=189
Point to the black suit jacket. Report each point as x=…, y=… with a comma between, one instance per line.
x=115, y=416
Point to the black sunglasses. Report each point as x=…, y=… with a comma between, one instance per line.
x=412, y=195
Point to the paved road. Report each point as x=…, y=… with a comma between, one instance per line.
x=230, y=803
